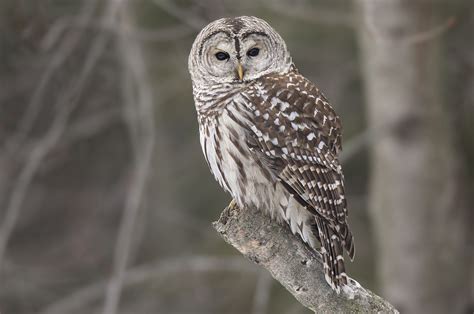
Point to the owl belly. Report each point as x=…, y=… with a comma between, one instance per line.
x=234, y=166
x=250, y=182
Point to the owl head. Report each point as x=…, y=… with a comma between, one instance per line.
x=237, y=50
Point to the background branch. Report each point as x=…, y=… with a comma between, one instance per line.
x=81, y=298
x=66, y=104
x=141, y=126
x=293, y=264
x=62, y=53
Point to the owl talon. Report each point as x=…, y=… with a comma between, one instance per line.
x=232, y=205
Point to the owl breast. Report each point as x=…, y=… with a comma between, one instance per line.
x=230, y=159
x=224, y=140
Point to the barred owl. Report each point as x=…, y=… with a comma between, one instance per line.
x=269, y=135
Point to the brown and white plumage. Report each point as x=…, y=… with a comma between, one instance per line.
x=270, y=137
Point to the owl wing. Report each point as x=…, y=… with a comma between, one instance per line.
x=298, y=135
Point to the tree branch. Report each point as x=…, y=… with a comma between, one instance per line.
x=141, y=125
x=292, y=263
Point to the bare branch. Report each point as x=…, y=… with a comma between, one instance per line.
x=370, y=137
x=431, y=33
x=310, y=15
x=153, y=271
x=366, y=138
x=171, y=33
x=61, y=54
x=155, y=35
x=142, y=132
x=379, y=36
x=66, y=104
x=292, y=263
x=185, y=17
x=90, y=126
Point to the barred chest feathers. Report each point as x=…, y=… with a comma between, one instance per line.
x=224, y=127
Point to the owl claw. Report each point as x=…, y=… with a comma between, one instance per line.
x=232, y=204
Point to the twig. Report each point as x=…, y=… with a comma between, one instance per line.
x=137, y=275
x=142, y=132
x=356, y=145
x=292, y=263
x=431, y=33
x=366, y=138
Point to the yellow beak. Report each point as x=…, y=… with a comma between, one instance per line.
x=240, y=71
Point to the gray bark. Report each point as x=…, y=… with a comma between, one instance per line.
x=292, y=263
x=416, y=190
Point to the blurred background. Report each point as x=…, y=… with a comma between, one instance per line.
x=106, y=201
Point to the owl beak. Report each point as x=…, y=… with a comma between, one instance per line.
x=240, y=71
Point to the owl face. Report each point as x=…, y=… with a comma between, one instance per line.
x=237, y=50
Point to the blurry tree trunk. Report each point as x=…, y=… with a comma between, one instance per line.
x=416, y=193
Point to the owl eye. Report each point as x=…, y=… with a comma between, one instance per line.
x=221, y=56
x=253, y=52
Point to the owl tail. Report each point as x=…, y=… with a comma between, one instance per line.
x=347, y=240
x=332, y=253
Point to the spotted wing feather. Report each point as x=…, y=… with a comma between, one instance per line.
x=293, y=122
x=296, y=129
